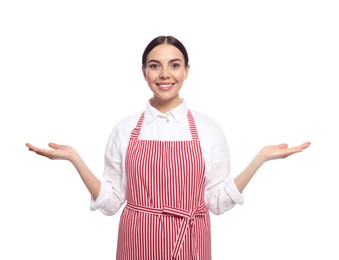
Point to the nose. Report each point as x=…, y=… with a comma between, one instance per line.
x=164, y=74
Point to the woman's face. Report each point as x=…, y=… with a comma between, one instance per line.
x=165, y=73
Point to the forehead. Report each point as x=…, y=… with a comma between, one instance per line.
x=165, y=52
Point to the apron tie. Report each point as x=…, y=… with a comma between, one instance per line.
x=187, y=222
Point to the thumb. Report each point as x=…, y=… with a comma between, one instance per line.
x=283, y=146
x=54, y=145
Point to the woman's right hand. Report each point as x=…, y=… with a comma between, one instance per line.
x=58, y=152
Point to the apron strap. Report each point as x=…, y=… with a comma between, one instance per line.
x=136, y=131
x=192, y=125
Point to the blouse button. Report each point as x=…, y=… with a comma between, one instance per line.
x=167, y=117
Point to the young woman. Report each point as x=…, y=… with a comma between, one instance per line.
x=169, y=164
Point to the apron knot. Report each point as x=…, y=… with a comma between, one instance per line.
x=187, y=222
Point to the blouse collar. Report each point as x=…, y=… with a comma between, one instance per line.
x=178, y=113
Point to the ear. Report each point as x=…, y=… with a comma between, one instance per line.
x=187, y=69
x=144, y=72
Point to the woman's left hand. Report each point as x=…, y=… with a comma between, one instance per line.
x=280, y=151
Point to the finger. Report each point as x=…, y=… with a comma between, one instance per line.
x=301, y=147
x=305, y=145
x=31, y=147
x=283, y=146
x=297, y=149
x=44, y=153
x=54, y=145
x=28, y=145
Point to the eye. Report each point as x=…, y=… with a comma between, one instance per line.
x=175, y=65
x=153, y=66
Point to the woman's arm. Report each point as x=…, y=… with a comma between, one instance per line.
x=65, y=152
x=267, y=153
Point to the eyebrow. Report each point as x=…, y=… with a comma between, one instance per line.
x=173, y=60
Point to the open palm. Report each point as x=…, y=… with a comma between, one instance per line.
x=281, y=151
x=58, y=152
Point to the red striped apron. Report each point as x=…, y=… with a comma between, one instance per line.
x=165, y=216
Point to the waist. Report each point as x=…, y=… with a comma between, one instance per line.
x=187, y=223
x=170, y=210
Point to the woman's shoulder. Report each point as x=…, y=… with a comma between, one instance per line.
x=125, y=126
x=127, y=123
x=201, y=118
x=207, y=125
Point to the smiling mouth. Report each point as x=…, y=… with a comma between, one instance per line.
x=165, y=86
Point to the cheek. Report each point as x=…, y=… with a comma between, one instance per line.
x=180, y=76
x=150, y=75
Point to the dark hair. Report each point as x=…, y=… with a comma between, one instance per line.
x=164, y=40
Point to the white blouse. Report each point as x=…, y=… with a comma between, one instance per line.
x=221, y=193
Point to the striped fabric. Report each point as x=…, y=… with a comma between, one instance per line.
x=165, y=216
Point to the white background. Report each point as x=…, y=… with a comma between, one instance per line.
x=267, y=71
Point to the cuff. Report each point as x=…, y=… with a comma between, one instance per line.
x=232, y=190
x=101, y=200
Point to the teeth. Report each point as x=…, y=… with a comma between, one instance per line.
x=166, y=86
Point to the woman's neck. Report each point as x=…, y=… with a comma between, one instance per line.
x=165, y=105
